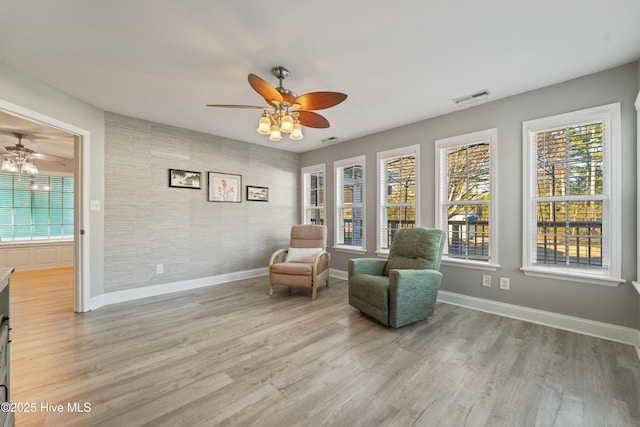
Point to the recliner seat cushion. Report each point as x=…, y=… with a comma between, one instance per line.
x=291, y=274
x=297, y=268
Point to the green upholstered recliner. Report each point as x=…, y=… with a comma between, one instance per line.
x=403, y=288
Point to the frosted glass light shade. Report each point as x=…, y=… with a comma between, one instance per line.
x=296, y=133
x=264, y=125
x=287, y=123
x=275, y=134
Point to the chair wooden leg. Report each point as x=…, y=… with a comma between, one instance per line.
x=270, y=289
x=314, y=290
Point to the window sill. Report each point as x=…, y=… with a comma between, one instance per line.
x=572, y=275
x=478, y=265
x=382, y=254
x=350, y=249
x=34, y=242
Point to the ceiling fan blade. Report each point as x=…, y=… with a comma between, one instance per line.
x=313, y=120
x=258, y=107
x=47, y=157
x=320, y=100
x=268, y=92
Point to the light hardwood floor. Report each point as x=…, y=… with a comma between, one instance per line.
x=231, y=355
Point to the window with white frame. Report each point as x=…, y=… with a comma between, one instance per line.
x=398, y=174
x=313, y=195
x=350, y=203
x=572, y=196
x=466, y=196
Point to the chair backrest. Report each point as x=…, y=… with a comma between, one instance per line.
x=416, y=248
x=308, y=236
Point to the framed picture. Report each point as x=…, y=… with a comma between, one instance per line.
x=185, y=179
x=225, y=187
x=257, y=194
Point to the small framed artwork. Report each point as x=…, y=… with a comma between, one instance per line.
x=185, y=179
x=225, y=187
x=257, y=194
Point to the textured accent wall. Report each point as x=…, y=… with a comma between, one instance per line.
x=148, y=223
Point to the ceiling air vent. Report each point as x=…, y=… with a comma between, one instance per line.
x=329, y=139
x=471, y=99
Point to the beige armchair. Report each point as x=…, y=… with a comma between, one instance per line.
x=305, y=263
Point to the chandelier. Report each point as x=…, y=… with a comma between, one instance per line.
x=19, y=158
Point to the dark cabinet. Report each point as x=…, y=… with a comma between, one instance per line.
x=6, y=417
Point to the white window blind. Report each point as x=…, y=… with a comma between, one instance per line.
x=350, y=190
x=397, y=193
x=313, y=185
x=36, y=208
x=466, y=195
x=572, y=196
x=569, y=200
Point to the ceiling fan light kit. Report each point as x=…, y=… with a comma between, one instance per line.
x=287, y=112
x=19, y=158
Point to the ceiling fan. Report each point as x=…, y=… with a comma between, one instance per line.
x=20, y=159
x=287, y=111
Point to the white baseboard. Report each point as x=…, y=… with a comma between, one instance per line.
x=167, y=288
x=95, y=303
x=592, y=328
x=339, y=274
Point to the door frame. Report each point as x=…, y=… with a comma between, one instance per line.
x=81, y=247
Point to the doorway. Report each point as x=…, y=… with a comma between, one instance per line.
x=62, y=147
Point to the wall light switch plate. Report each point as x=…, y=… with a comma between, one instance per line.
x=159, y=268
x=95, y=205
x=486, y=280
x=504, y=283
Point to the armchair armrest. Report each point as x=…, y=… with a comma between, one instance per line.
x=413, y=278
x=373, y=266
x=278, y=256
x=320, y=262
x=412, y=295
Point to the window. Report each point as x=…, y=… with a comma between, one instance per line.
x=572, y=196
x=466, y=195
x=35, y=208
x=313, y=195
x=397, y=193
x=350, y=203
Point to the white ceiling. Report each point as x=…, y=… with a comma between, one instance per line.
x=40, y=138
x=399, y=62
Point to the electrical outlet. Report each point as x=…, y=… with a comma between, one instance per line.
x=486, y=280
x=504, y=283
x=159, y=269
